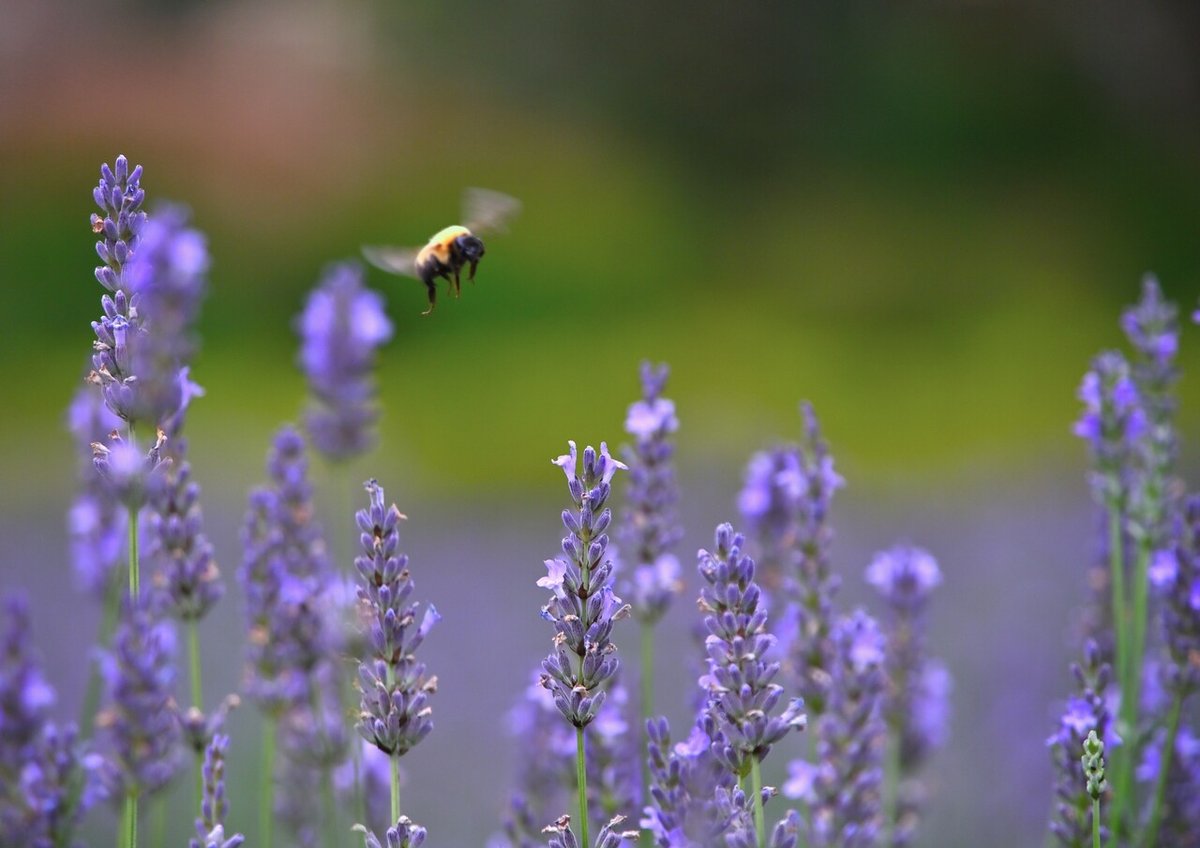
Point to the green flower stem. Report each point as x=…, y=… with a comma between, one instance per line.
x=193, y=629
x=266, y=800
x=1095, y=823
x=1160, y=785
x=345, y=538
x=158, y=821
x=760, y=827
x=1141, y=582
x=327, y=799
x=1116, y=560
x=581, y=782
x=131, y=819
x=647, y=682
x=395, y=763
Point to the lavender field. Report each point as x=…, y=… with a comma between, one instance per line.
x=806, y=461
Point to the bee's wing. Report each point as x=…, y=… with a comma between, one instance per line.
x=395, y=260
x=486, y=211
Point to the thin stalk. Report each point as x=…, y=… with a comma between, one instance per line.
x=1116, y=560
x=1141, y=602
x=760, y=827
x=395, y=763
x=134, y=576
x=131, y=819
x=158, y=821
x=193, y=630
x=327, y=799
x=1160, y=785
x=91, y=698
x=891, y=788
x=1095, y=823
x=345, y=538
x=266, y=801
x=647, y=682
x=581, y=782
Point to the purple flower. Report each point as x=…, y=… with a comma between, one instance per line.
x=186, y=566
x=1086, y=712
x=1179, y=586
x=95, y=522
x=404, y=834
x=142, y=728
x=905, y=576
x=214, y=806
x=742, y=694
x=47, y=781
x=1181, y=798
x=342, y=325
x=583, y=606
x=395, y=713
x=609, y=837
x=846, y=786
x=651, y=527
x=128, y=472
x=284, y=575
x=1152, y=327
x=1112, y=423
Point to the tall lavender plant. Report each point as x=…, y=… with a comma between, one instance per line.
x=742, y=693
x=214, y=806
x=916, y=706
x=583, y=606
x=395, y=713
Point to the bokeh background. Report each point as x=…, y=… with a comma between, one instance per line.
x=923, y=217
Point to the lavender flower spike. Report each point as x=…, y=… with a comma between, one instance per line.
x=740, y=680
x=395, y=714
x=651, y=527
x=1176, y=574
x=96, y=522
x=582, y=606
x=342, y=325
x=210, y=827
x=140, y=719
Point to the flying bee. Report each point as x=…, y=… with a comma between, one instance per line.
x=453, y=248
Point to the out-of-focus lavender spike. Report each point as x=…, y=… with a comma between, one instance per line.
x=1175, y=573
x=1152, y=327
x=129, y=472
x=1071, y=818
x=1113, y=421
x=342, y=325
x=139, y=716
x=917, y=703
x=546, y=769
x=214, y=806
x=316, y=742
x=651, y=528
x=185, y=565
x=395, y=713
x=582, y=606
x=96, y=522
x=742, y=694
x=1181, y=791
x=47, y=782
x=404, y=834
x=199, y=729
x=845, y=787
x=284, y=573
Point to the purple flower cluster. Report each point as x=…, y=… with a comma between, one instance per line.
x=1087, y=711
x=1113, y=421
x=47, y=781
x=582, y=606
x=561, y=835
x=96, y=521
x=545, y=767
x=917, y=704
x=140, y=721
x=1176, y=574
x=741, y=690
x=844, y=789
x=186, y=566
x=404, y=834
x=342, y=325
x=1181, y=801
x=283, y=575
x=214, y=807
x=395, y=714
x=650, y=528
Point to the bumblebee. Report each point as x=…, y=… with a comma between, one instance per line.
x=452, y=249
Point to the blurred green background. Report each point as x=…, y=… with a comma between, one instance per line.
x=923, y=217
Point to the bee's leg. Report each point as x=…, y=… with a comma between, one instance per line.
x=431, y=288
x=474, y=265
x=457, y=284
